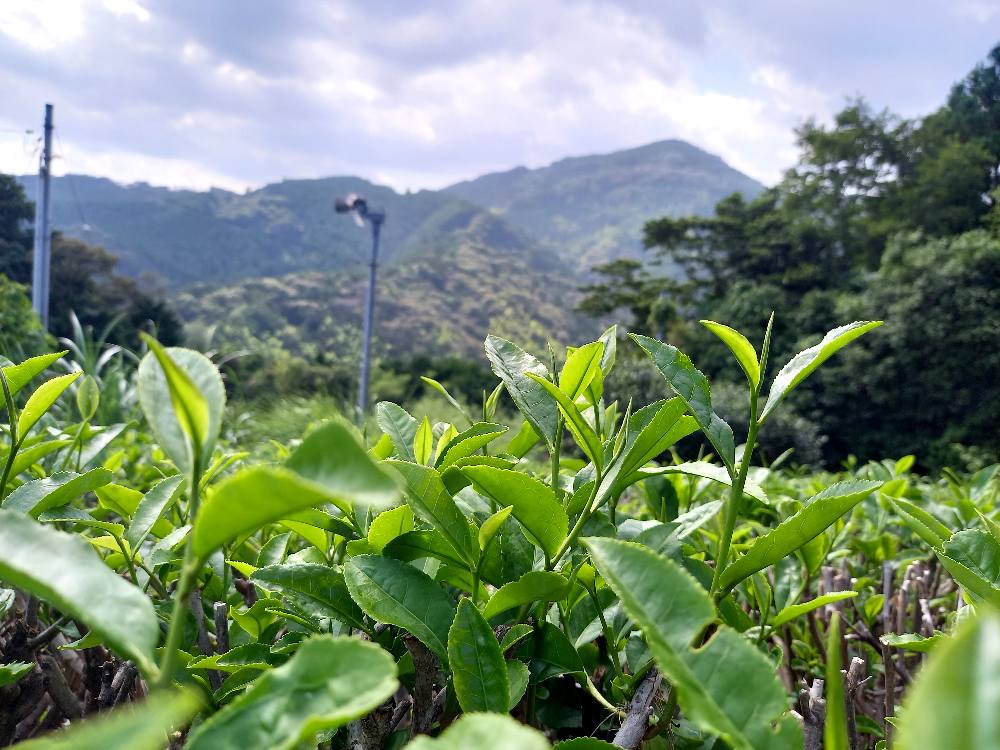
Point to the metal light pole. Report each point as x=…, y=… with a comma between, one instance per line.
x=42, y=252
x=358, y=208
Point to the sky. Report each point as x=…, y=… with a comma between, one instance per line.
x=239, y=93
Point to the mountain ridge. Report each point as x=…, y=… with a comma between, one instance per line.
x=519, y=242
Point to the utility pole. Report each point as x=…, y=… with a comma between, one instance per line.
x=43, y=237
x=358, y=208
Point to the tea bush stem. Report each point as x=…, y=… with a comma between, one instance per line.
x=736, y=495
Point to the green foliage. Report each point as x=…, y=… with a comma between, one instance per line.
x=433, y=584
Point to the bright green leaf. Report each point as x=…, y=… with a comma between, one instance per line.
x=431, y=502
x=39, y=495
x=536, y=585
x=805, y=362
x=41, y=401
x=317, y=591
x=152, y=507
x=333, y=459
x=819, y=513
x=742, y=349
x=792, y=611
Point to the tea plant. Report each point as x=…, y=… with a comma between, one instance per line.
x=569, y=578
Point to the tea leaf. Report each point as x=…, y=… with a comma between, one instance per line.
x=184, y=396
x=391, y=591
x=820, y=511
x=481, y=730
x=248, y=500
x=805, y=362
x=973, y=559
x=513, y=365
x=536, y=585
x=39, y=495
x=692, y=386
x=64, y=570
x=328, y=683
x=792, y=611
x=534, y=503
x=316, y=590
x=952, y=703
x=742, y=349
x=583, y=433
x=479, y=673
x=333, y=459
x=151, y=508
x=431, y=502
x=673, y=610
x=466, y=443
x=132, y=726
x=21, y=374
x=582, y=365
x=401, y=428
x=41, y=401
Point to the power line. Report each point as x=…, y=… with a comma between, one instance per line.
x=72, y=182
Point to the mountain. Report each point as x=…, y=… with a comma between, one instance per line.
x=594, y=207
x=504, y=252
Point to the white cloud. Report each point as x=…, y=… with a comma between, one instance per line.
x=230, y=93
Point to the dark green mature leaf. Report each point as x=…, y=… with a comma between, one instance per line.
x=535, y=504
x=143, y=726
x=742, y=349
x=414, y=545
x=318, y=591
x=333, y=458
x=431, y=502
x=71, y=514
x=692, y=386
x=973, y=559
x=328, y=683
x=551, y=654
x=151, y=508
x=536, y=585
x=388, y=590
x=39, y=495
x=802, y=364
x=478, y=671
x=248, y=500
x=399, y=425
x=466, y=443
x=512, y=365
x=820, y=512
x=953, y=702
x=481, y=730
x=673, y=610
x=41, y=400
x=195, y=388
x=64, y=570
x=21, y=374
x=835, y=727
